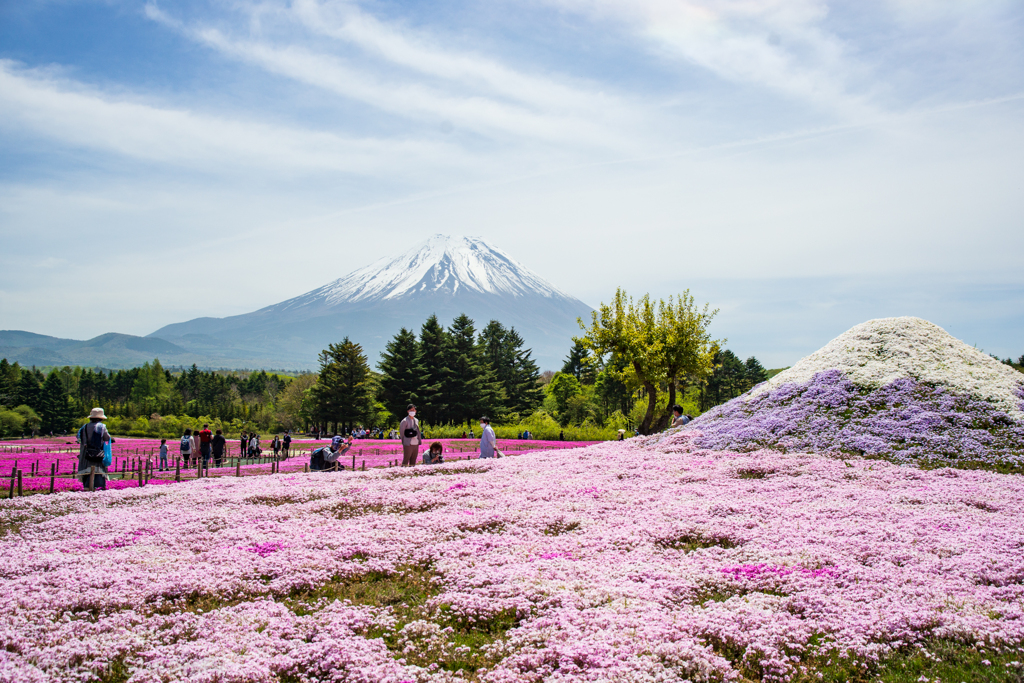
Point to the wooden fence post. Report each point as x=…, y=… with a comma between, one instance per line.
x=364, y=466
x=92, y=478
x=238, y=467
x=353, y=462
x=177, y=469
x=20, y=494
x=14, y=473
x=53, y=476
x=141, y=483
x=305, y=467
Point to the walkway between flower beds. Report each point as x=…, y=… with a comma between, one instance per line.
x=53, y=469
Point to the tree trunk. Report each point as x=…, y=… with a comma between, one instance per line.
x=652, y=402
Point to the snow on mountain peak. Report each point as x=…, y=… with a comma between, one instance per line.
x=440, y=264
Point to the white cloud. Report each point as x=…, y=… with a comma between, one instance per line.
x=72, y=114
x=473, y=94
x=779, y=45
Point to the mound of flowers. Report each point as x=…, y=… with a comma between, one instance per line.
x=619, y=562
x=899, y=387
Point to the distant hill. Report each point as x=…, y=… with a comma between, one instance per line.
x=109, y=350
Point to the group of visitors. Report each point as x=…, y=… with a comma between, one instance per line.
x=201, y=444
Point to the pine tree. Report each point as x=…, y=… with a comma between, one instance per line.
x=28, y=390
x=56, y=411
x=433, y=406
x=343, y=394
x=576, y=365
x=514, y=369
x=471, y=389
x=402, y=373
x=755, y=372
x=7, y=387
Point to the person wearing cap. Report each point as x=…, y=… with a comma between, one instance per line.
x=411, y=435
x=487, y=438
x=92, y=437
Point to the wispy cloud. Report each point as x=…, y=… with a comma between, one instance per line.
x=61, y=109
x=778, y=45
x=469, y=92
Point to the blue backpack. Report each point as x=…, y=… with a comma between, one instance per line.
x=186, y=444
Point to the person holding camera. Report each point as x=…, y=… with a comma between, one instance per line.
x=412, y=436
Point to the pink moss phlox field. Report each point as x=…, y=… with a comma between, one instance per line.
x=904, y=420
x=621, y=562
x=369, y=452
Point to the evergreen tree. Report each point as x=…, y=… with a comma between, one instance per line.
x=434, y=343
x=471, y=388
x=514, y=369
x=755, y=373
x=402, y=373
x=343, y=395
x=28, y=390
x=576, y=365
x=56, y=410
x=7, y=386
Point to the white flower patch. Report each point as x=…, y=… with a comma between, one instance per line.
x=880, y=351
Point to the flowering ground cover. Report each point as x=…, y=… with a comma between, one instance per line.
x=35, y=456
x=629, y=561
x=899, y=388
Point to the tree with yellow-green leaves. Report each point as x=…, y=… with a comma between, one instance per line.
x=664, y=345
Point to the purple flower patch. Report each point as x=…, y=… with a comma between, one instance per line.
x=904, y=420
x=264, y=549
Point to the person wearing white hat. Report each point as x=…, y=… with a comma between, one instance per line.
x=92, y=437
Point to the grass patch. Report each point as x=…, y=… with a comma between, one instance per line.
x=754, y=473
x=560, y=527
x=693, y=541
x=936, y=661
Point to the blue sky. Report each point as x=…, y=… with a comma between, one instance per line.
x=803, y=165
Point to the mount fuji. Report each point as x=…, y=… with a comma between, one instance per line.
x=444, y=275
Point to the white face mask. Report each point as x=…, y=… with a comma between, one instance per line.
x=483, y=426
x=412, y=413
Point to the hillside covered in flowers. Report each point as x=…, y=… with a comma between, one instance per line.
x=900, y=388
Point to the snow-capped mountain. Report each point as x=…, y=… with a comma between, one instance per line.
x=440, y=265
x=442, y=275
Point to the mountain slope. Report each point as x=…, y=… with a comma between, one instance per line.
x=109, y=350
x=443, y=275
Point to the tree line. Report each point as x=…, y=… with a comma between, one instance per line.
x=453, y=376
x=627, y=368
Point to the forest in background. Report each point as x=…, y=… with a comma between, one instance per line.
x=454, y=375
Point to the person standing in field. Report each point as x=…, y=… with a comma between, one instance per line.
x=205, y=437
x=163, y=454
x=276, y=445
x=286, y=444
x=186, y=447
x=487, y=438
x=243, y=443
x=92, y=438
x=411, y=437
x=195, y=446
x=219, y=445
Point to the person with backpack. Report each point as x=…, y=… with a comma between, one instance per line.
x=92, y=439
x=254, y=445
x=411, y=435
x=326, y=457
x=186, y=447
x=163, y=455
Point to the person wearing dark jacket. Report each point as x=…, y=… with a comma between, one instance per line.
x=91, y=438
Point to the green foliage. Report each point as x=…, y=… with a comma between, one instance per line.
x=343, y=394
x=730, y=378
x=401, y=373
x=660, y=347
x=56, y=411
x=470, y=387
x=514, y=369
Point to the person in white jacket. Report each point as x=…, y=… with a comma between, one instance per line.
x=487, y=438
